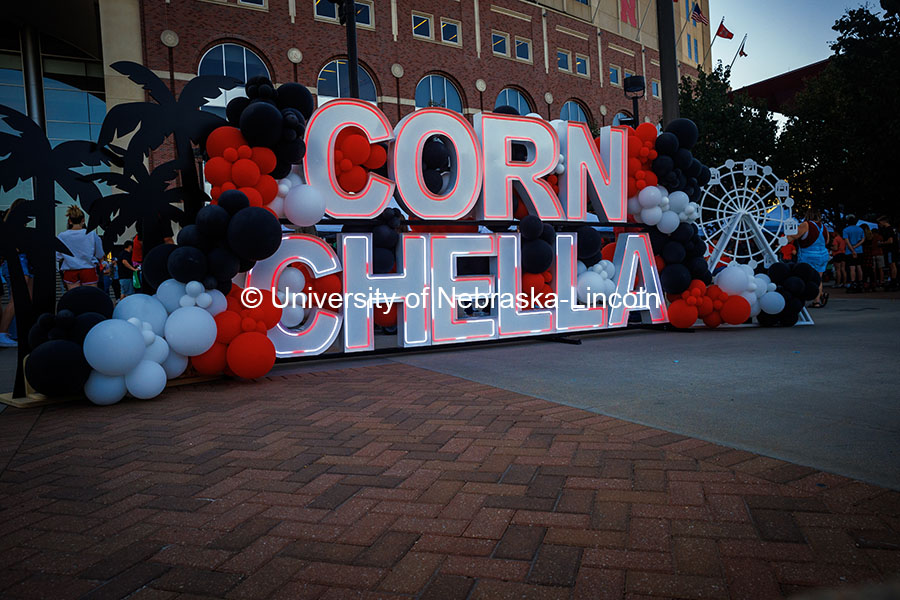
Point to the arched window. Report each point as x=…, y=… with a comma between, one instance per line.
x=234, y=61
x=516, y=99
x=573, y=111
x=622, y=118
x=334, y=82
x=437, y=90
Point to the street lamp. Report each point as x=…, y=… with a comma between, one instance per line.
x=634, y=87
x=347, y=15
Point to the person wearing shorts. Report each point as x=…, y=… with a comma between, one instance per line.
x=854, y=236
x=126, y=270
x=80, y=267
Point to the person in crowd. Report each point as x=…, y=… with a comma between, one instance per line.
x=113, y=261
x=889, y=246
x=812, y=240
x=789, y=252
x=126, y=270
x=853, y=236
x=79, y=268
x=866, y=257
x=838, y=258
x=8, y=333
x=877, y=252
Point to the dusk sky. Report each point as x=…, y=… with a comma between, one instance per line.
x=783, y=34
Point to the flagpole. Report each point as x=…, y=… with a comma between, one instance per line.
x=744, y=41
x=644, y=18
x=683, y=27
x=709, y=49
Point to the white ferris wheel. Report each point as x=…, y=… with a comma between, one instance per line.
x=745, y=214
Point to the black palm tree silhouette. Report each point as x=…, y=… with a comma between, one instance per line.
x=145, y=198
x=30, y=156
x=153, y=123
x=16, y=237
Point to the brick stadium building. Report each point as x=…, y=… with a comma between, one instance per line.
x=561, y=58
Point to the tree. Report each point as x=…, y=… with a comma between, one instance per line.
x=730, y=127
x=839, y=144
x=153, y=123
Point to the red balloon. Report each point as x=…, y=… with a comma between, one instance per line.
x=682, y=315
x=245, y=173
x=222, y=138
x=264, y=158
x=266, y=312
x=647, y=132
x=250, y=355
x=712, y=320
x=211, y=362
x=736, y=310
x=715, y=292
x=228, y=326
x=244, y=151
x=634, y=165
x=345, y=165
x=234, y=304
x=532, y=283
x=354, y=180
x=705, y=307
x=548, y=276
x=660, y=263
x=385, y=317
x=521, y=211
x=356, y=148
x=608, y=251
x=634, y=146
x=650, y=178
x=248, y=324
x=377, y=157
x=344, y=134
x=214, y=193
x=252, y=195
x=267, y=188
x=228, y=185
x=322, y=290
x=217, y=170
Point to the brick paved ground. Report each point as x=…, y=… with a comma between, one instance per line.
x=392, y=481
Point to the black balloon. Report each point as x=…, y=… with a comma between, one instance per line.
x=537, y=256
x=281, y=170
x=191, y=236
x=810, y=291
x=382, y=260
x=593, y=259
x=674, y=253
x=223, y=286
x=234, y=109
x=57, y=368
x=548, y=234
x=254, y=233
x=778, y=272
x=683, y=233
x=187, y=263
x=433, y=180
x=295, y=95
x=290, y=152
x=155, y=268
x=65, y=319
x=261, y=124
x=233, y=201
x=518, y=152
x=83, y=324
x=658, y=240
x=531, y=227
x=788, y=318
x=675, y=279
x=667, y=144
x=506, y=110
x=795, y=285
x=694, y=168
x=86, y=298
x=662, y=165
x=704, y=176
x=435, y=154
x=246, y=264
x=683, y=159
x=685, y=130
x=589, y=241
x=209, y=282
x=222, y=264
x=385, y=237
x=767, y=320
x=212, y=222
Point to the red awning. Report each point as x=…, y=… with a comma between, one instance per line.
x=778, y=91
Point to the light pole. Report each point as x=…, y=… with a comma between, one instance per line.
x=347, y=15
x=634, y=87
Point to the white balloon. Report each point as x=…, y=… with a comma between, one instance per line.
x=104, y=389
x=204, y=300
x=295, y=179
x=678, y=201
x=732, y=280
x=668, y=222
x=751, y=298
x=149, y=336
x=292, y=316
x=292, y=280
x=772, y=303
x=190, y=331
x=277, y=206
x=114, y=347
x=651, y=216
x=533, y=115
x=187, y=300
x=580, y=267
x=608, y=267
x=304, y=205
x=175, y=364
x=218, y=302
x=591, y=283
x=560, y=168
x=284, y=186
x=193, y=288
x=649, y=197
x=762, y=286
x=169, y=293
x=143, y=307
x=147, y=380
x=158, y=351
x=634, y=207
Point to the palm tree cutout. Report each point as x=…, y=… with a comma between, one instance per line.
x=154, y=123
x=30, y=156
x=145, y=198
x=16, y=237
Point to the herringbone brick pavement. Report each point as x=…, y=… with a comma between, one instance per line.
x=392, y=481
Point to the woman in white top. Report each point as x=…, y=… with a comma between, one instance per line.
x=81, y=267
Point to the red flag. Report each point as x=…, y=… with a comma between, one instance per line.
x=741, y=49
x=723, y=32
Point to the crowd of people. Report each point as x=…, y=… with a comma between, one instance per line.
x=116, y=272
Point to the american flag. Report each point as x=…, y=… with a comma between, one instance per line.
x=697, y=15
